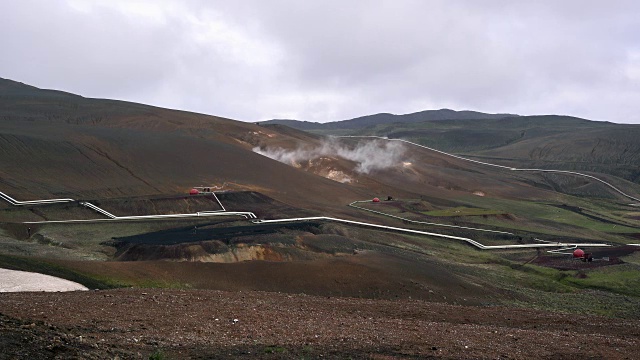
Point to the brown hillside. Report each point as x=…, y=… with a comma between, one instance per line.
x=56, y=144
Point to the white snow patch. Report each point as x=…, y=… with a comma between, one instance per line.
x=19, y=281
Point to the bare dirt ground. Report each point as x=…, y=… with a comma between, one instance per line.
x=369, y=274
x=137, y=323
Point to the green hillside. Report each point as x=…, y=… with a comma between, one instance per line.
x=386, y=118
x=549, y=141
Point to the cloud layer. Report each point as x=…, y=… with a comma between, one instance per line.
x=331, y=60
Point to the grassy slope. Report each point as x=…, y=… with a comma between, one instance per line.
x=542, y=141
x=386, y=118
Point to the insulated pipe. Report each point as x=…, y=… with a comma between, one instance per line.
x=101, y=211
x=424, y=222
x=218, y=200
x=15, y=202
x=246, y=215
x=470, y=241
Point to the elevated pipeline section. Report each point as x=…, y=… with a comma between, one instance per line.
x=112, y=217
x=420, y=232
x=15, y=202
x=422, y=222
x=97, y=209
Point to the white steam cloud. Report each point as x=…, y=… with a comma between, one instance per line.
x=370, y=155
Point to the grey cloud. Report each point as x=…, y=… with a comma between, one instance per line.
x=332, y=60
x=59, y=47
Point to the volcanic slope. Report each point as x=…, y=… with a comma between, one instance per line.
x=55, y=144
x=59, y=144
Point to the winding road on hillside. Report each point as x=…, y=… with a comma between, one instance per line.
x=500, y=166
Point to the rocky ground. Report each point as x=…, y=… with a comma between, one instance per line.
x=197, y=324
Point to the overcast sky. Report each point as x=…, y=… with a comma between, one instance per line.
x=332, y=60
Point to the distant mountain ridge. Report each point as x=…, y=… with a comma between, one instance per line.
x=540, y=141
x=387, y=118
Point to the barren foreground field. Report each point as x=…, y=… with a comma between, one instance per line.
x=172, y=324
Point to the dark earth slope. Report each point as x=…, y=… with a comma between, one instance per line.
x=58, y=144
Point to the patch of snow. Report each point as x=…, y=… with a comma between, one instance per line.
x=19, y=281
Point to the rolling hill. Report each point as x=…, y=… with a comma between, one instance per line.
x=59, y=144
x=135, y=160
x=544, y=141
x=386, y=118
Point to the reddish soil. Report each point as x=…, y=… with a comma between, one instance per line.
x=568, y=262
x=368, y=274
x=200, y=324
